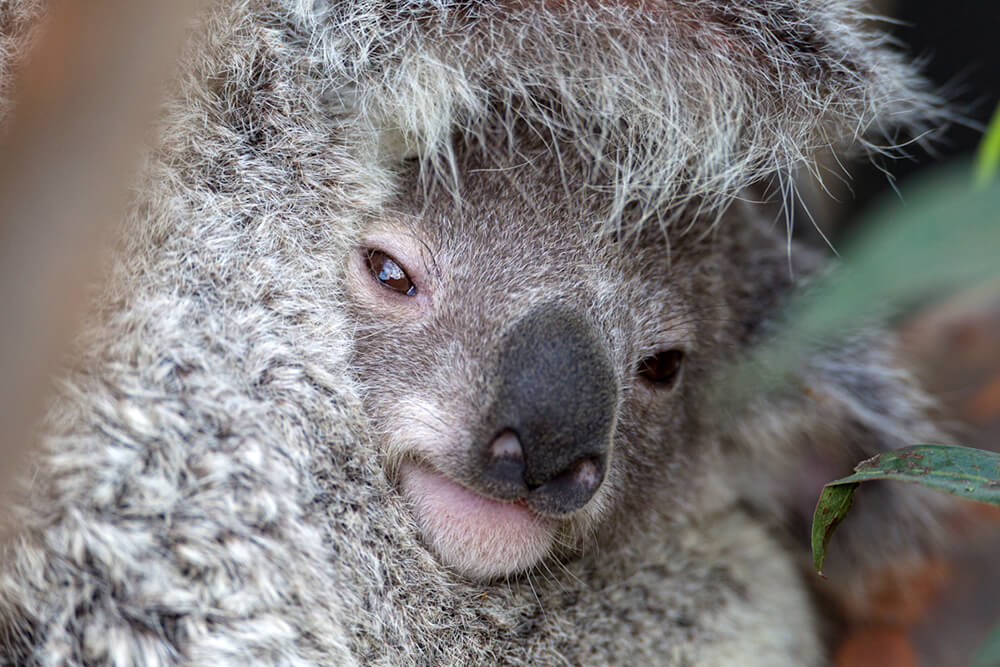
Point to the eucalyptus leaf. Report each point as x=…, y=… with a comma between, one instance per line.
x=965, y=472
x=832, y=508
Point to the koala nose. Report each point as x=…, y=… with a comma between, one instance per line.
x=553, y=414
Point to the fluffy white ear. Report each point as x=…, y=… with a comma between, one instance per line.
x=670, y=102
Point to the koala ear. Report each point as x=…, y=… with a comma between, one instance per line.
x=668, y=103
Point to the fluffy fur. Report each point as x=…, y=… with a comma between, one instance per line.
x=209, y=488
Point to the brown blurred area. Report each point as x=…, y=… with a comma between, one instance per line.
x=84, y=99
x=957, y=347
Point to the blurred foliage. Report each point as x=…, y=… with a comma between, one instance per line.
x=943, y=234
x=988, y=159
x=989, y=653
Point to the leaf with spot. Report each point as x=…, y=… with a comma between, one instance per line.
x=968, y=473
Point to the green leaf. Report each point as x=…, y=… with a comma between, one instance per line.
x=969, y=473
x=961, y=471
x=989, y=653
x=833, y=505
x=988, y=159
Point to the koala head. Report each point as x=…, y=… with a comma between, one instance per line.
x=529, y=378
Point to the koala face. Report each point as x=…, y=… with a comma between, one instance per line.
x=529, y=380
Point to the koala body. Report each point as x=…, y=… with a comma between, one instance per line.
x=402, y=356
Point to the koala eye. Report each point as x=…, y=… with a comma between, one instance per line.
x=662, y=368
x=389, y=273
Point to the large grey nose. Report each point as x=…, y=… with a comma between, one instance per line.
x=553, y=413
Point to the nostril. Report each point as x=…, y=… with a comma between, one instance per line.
x=507, y=446
x=503, y=467
x=569, y=490
x=586, y=474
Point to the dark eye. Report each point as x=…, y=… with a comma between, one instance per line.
x=662, y=368
x=389, y=273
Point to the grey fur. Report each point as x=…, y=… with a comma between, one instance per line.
x=216, y=481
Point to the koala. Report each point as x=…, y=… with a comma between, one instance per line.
x=408, y=353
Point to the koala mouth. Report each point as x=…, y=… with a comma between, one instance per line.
x=478, y=536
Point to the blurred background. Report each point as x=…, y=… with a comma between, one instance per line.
x=959, y=46
x=945, y=609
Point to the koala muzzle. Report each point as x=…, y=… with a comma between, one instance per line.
x=551, y=421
